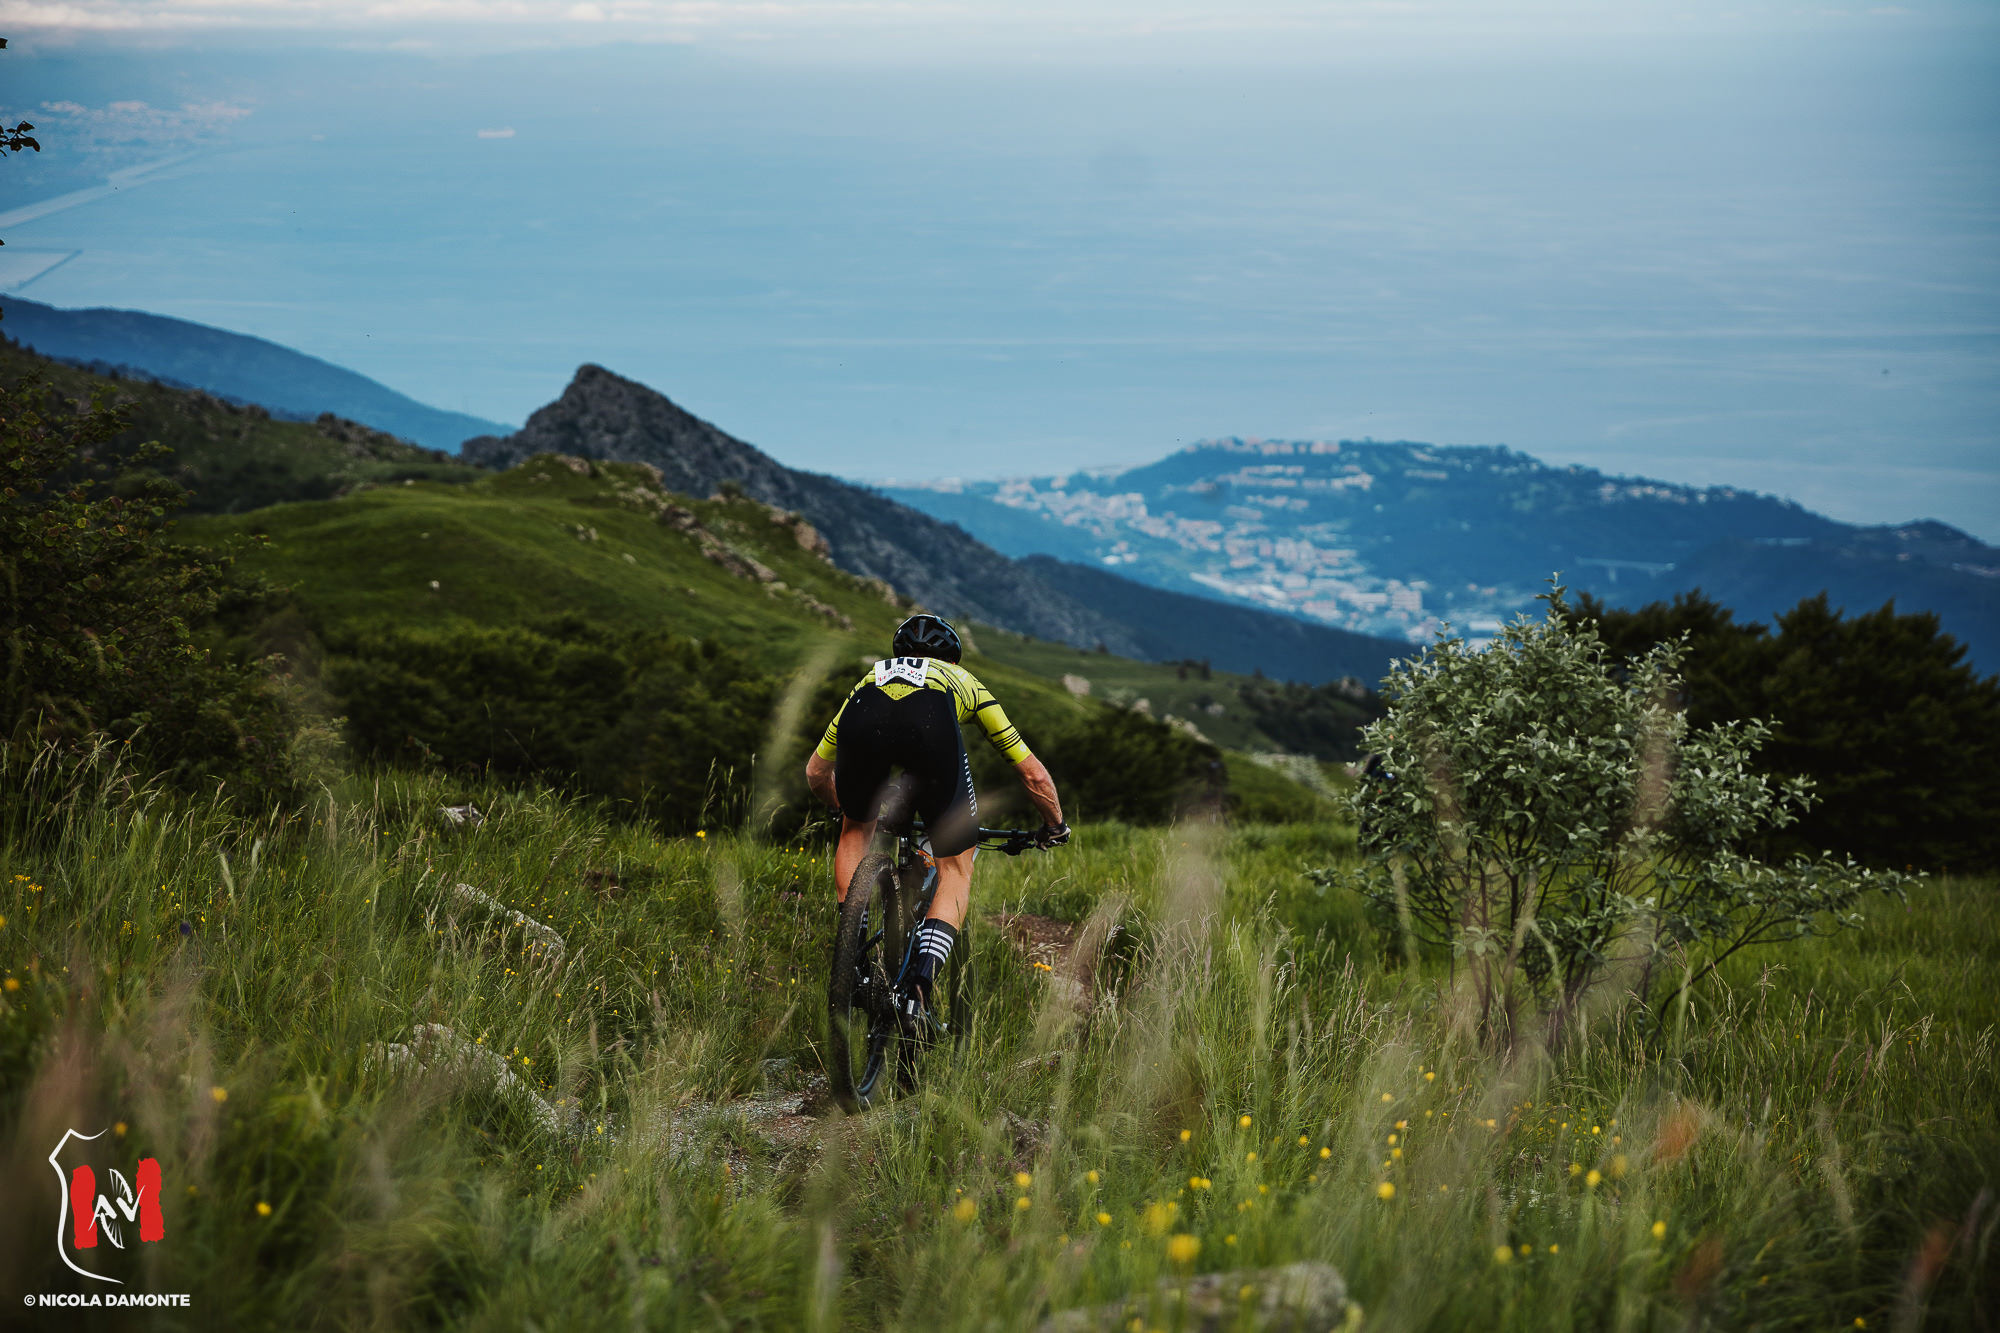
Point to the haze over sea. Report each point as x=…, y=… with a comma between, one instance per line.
x=1763, y=254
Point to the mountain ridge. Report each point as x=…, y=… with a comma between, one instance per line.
x=238, y=368
x=1402, y=538
x=604, y=416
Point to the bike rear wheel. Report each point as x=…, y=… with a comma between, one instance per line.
x=861, y=1016
x=951, y=989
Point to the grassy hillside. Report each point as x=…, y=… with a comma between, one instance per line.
x=239, y=458
x=275, y=1011
x=544, y=539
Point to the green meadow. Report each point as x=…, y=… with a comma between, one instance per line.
x=541, y=541
x=492, y=993
x=1187, y=1059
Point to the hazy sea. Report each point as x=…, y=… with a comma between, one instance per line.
x=1770, y=264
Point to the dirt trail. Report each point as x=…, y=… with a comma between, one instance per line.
x=796, y=1108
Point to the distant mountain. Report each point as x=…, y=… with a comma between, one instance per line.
x=1926, y=566
x=1397, y=539
x=233, y=366
x=937, y=564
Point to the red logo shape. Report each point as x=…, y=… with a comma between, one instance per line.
x=88, y=1215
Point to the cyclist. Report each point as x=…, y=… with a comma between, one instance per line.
x=905, y=713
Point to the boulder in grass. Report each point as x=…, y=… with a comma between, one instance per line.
x=539, y=939
x=1307, y=1297
x=435, y=1051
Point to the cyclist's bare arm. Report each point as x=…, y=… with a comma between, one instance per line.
x=819, y=780
x=1041, y=788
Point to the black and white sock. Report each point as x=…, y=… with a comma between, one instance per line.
x=934, y=941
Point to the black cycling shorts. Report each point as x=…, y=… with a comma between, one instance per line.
x=918, y=734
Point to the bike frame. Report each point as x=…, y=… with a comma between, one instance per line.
x=912, y=851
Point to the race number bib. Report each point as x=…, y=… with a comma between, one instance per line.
x=902, y=671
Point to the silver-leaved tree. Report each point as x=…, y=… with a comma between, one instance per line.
x=1547, y=816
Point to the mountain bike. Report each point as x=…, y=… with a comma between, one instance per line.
x=874, y=949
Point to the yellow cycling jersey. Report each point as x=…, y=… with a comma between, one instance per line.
x=900, y=677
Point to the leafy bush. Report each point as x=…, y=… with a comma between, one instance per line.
x=100, y=611
x=668, y=726
x=1558, y=825
x=1898, y=734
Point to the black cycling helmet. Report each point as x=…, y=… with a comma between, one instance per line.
x=926, y=636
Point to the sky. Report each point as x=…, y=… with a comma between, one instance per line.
x=1753, y=244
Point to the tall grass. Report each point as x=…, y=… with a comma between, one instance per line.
x=1811, y=1142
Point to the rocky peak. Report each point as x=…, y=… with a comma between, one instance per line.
x=605, y=417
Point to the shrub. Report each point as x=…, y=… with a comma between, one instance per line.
x=668, y=726
x=1554, y=821
x=1117, y=764
x=100, y=612
x=1323, y=721
x=1898, y=734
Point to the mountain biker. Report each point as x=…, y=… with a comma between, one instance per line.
x=905, y=713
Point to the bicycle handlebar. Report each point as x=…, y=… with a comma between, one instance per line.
x=1009, y=841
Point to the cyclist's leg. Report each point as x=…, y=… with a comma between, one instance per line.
x=856, y=837
x=954, y=890
x=951, y=813
x=867, y=752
